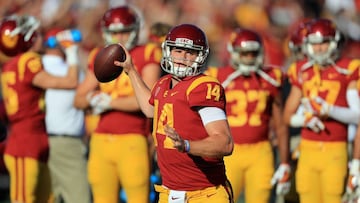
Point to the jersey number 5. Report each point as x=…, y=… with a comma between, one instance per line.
x=10, y=96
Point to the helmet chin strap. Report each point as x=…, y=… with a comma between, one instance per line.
x=180, y=71
x=131, y=41
x=326, y=58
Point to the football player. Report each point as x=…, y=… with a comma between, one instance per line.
x=324, y=83
x=296, y=45
x=296, y=40
x=191, y=131
x=119, y=156
x=253, y=93
x=23, y=81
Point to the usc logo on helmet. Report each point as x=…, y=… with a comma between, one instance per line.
x=17, y=34
x=9, y=41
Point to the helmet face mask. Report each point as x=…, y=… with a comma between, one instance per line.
x=120, y=20
x=246, y=51
x=191, y=39
x=18, y=34
x=322, y=32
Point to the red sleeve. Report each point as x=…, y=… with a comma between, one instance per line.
x=354, y=68
x=29, y=64
x=206, y=91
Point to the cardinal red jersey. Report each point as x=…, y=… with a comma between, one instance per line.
x=330, y=85
x=177, y=107
x=24, y=107
x=134, y=122
x=249, y=100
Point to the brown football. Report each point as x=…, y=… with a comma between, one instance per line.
x=104, y=68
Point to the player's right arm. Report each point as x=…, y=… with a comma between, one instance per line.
x=142, y=91
x=292, y=103
x=354, y=169
x=293, y=100
x=87, y=86
x=45, y=80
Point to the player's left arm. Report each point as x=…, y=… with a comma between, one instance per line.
x=346, y=114
x=70, y=81
x=87, y=87
x=277, y=108
x=219, y=143
x=281, y=177
x=207, y=96
x=354, y=170
x=281, y=129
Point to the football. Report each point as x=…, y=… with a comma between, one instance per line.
x=104, y=68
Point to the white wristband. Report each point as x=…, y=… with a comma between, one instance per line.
x=355, y=166
x=71, y=54
x=297, y=121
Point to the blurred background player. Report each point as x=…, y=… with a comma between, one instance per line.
x=324, y=84
x=297, y=35
x=157, y=34
x=191, y=131
x=23, y=81
x=296, y=46
x=253, y=95
x=119, y=155
x=64, y=125
x=352, y=191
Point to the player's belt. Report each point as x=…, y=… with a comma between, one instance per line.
x=63, y=135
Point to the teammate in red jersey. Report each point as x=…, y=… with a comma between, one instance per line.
x=253, y=93
x=119, y=156
x=296, y=38
x=191, y=131
x=324, y=83
x=23, y=81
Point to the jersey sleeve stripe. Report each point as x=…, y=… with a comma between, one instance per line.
x=198, y=81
